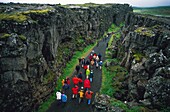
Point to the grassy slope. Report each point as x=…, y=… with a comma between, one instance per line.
x=158, y=11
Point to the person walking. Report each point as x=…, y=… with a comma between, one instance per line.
x=87, y=73
x=86, y=84
x=81, y=95
x=83, y=62
x=88, y=96
x=64, y=98
x=77, y=68
x=75, y=91
x=76, y=80
x=68, y=82
x=100, y=57
x=100, y=64
x=58, y=97
x=85, y=68
x=80, y=76
x=91, y=76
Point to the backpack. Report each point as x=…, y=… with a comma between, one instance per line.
x=64, y=98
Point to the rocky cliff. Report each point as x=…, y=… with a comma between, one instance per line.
x=144, y=49
x=36, y=41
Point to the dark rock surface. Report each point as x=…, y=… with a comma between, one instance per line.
x=34, y=44
x=144, y=49
x=102, y=104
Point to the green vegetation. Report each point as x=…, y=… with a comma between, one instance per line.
x=18, y=17
x=115, y=36
x=157, y=11
x=113, y=76
x=68, y=70
x=115, y=28
x=138, y=56
x=43, y=11
x=5, y=35
x=145, y=31
x=22, y=37
x=22, y=16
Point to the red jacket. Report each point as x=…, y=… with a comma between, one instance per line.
x=86, y=83
x=75, y=90
x=68, y=81
x=90, y=57
x=88, y=95
x=76, y=80
x=85, y=67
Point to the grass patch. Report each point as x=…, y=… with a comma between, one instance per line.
x=113, y=76
x=43, y=11
x=145, y=31
x=18, y=17
x=22, y=16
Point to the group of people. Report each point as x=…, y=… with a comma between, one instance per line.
x=81, y=88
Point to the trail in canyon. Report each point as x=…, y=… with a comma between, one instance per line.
x=72, y=104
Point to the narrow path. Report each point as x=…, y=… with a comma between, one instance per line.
x=72, y=104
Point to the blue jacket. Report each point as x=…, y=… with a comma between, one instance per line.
x=64, y=98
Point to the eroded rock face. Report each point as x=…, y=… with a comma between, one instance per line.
x=146, y=43
x=31, y=49
x=102, y=104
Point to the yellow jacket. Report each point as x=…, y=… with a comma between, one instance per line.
x=81, y=93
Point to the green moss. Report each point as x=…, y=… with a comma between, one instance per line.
x=22, y=16
x=18, y=17
x=3, y=36
x=145, y=31
x=22, y=37
x=43, y=11
x=138, y=56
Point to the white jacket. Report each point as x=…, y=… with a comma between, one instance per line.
x=58, y=95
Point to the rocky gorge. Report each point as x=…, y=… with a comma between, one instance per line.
x=144, y=50
x=37, y=40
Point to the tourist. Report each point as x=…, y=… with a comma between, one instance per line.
x=88, y=96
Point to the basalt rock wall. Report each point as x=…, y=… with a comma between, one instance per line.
x=36, y=41
x=144, y=49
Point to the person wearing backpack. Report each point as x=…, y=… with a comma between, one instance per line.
x=64, y=98
x=88, y=96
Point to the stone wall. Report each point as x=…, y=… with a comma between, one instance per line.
x=33, y=52
x=145, y=51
